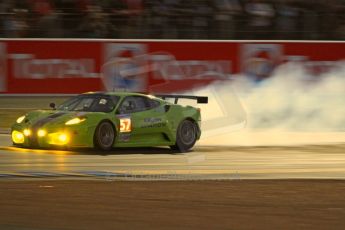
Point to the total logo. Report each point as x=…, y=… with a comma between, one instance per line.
x=259, y=60
x=128, y=66
x=122, y=67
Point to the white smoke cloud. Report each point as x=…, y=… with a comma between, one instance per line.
x=292, y=107
x=294, y=100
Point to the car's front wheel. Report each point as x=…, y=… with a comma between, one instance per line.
x=186, y=136
x=104, y=136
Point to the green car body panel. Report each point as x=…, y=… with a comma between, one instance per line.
x=156, y=126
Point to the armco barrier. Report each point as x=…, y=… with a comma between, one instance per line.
x=36, y=66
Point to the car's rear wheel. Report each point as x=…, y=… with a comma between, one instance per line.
x=186, y=136
x=104, y=136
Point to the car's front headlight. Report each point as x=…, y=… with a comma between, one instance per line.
x=75, y=121
x=18, y=137
x=20, y=119
x=59, y=138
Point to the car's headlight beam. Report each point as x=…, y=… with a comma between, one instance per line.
x=20, y=119
x=76, y=120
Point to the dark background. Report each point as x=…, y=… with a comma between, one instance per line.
x=174, y=19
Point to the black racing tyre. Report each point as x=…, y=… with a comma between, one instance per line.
x=186, y=136
x=104, y=136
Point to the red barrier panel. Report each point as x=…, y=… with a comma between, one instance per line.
x=70, y=66
x=53, y=67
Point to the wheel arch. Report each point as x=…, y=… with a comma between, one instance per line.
x=190, y=119
x=110, y=121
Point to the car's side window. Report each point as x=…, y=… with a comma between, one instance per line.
x=84, y=104
x=103, y=105
x=132, y=104
x=153, y=103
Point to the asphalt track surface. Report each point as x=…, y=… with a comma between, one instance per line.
x=240, y=204
x=325, y=161
x=291, y=182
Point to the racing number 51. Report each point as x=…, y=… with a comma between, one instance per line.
x=125, y=125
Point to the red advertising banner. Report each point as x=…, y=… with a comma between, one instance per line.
x=52, y=67
x=73, y=66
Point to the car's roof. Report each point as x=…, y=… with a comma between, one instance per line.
x=113, y=93
x=120, y=94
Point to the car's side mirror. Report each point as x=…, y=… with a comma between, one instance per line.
x=120, y=111
x=166, y=108
x=52, y=105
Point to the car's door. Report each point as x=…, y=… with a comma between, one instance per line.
x=142, y=121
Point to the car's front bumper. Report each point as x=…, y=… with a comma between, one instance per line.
x=80, y=136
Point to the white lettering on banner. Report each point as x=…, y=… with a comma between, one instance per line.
x=27, y=66
x=181, y=70
x=167, y=67
x=161, y=64
x=314, y=67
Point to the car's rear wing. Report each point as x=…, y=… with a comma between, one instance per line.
x=200, y=100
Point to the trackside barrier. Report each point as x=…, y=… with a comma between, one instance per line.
x=72, y=66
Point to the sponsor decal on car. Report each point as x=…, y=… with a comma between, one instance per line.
x=125, y=137
x=153, y=122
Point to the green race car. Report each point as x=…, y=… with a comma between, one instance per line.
x=115, y=119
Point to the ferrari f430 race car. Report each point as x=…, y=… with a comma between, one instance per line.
x=115, y=119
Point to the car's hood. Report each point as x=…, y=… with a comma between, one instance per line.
x=52, y=116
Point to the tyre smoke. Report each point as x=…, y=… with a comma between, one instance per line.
x=292, y=99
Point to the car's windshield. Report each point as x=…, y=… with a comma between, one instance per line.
x=90, y=103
